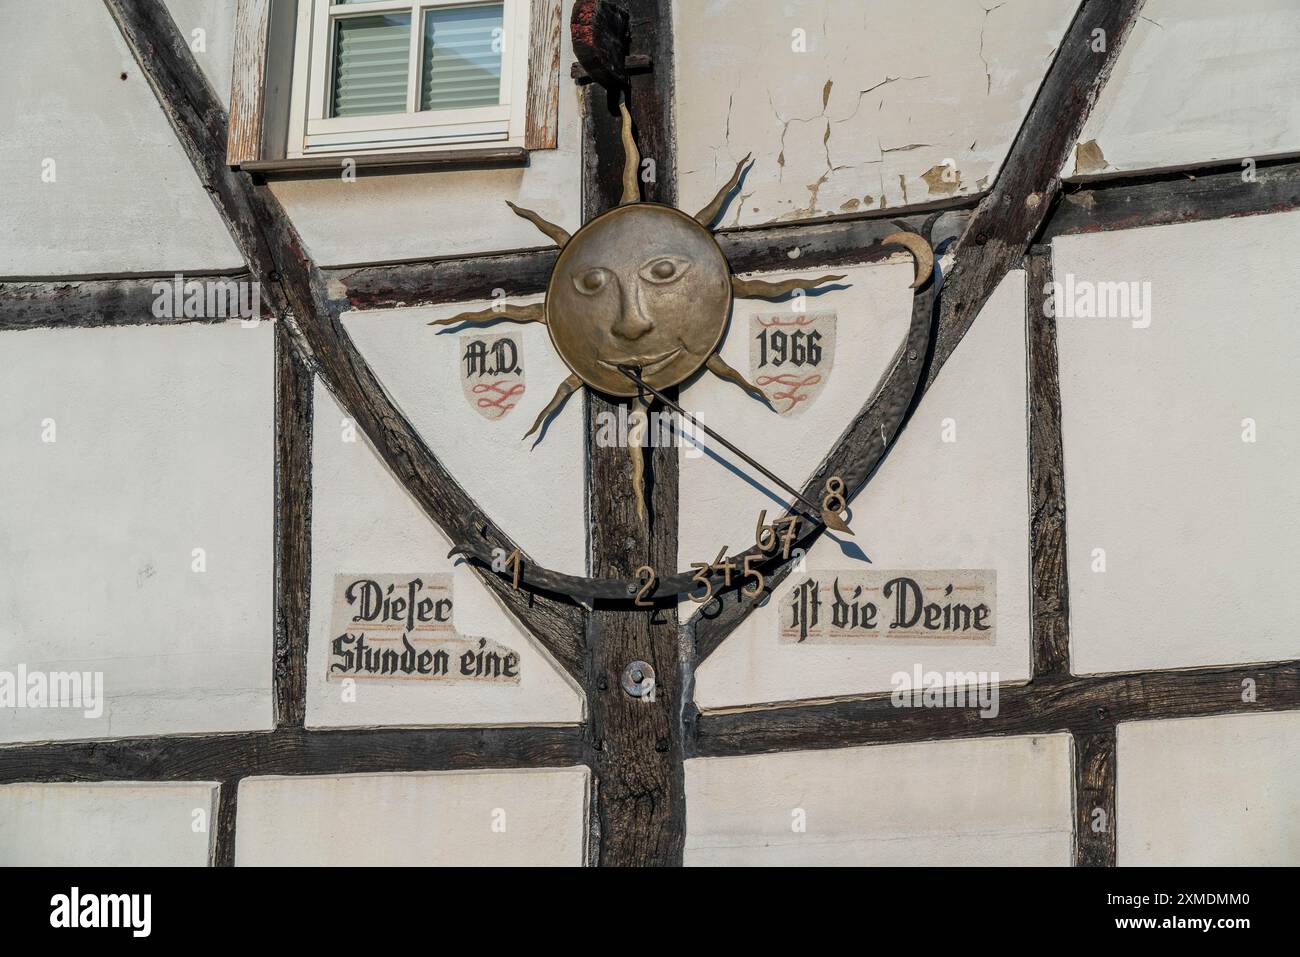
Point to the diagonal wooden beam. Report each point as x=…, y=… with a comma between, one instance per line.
x=998, y=234
x=1011, y=215
x=297, y=290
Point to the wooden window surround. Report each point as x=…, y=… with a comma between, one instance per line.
x=264, y=115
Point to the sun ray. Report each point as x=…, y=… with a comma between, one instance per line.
x=761, y=289
x=640, y=409
x=921, y=252
x=631, y=160
x=719, y=367
x=557, y=234
x=536, y=312
x=566, y=389
x=709, y=213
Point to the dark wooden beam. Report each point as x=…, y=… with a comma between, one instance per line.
x=430, y=282
x=1013, y=213
x=838, y=240
x=1050, y=599
x=1166, y=197
x=223, y=828
x=293, y=480
x=1123, y=201
x=640, y=797
x=91, y=303
x=297, y=289
x=224, y=757
x=1047, y=705
x=1094, y=798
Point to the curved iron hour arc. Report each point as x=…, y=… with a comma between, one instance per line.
x=891, y=405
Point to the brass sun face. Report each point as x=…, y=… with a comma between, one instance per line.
x=642, y=285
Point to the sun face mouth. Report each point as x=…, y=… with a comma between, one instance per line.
x=648, y=365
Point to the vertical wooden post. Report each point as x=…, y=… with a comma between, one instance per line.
x=293, y=433
x=1094, y=798
x=223, y=828
x=639, y=800
x=1051, y=591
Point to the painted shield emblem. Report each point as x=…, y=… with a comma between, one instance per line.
x=790, y=357
x=492, y=373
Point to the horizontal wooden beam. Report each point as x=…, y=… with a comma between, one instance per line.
x=1050, y=704
x=428, y=282
x=90, y=303
x=1221, y=191
x=222, y=757
x=798, y=245
x=1130, y=201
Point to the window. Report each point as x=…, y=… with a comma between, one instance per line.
x=396, y=75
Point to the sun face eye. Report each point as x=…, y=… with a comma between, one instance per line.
x=591, y=281
x=664, y=269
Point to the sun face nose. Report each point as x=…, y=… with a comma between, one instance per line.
x=631, y=323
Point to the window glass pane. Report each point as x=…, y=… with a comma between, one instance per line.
x=462, y=57
x=371, y=56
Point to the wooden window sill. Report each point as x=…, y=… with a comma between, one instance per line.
x=320, y=167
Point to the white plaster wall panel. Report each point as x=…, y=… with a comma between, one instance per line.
x=1198, y=526
x=1198, y=81
x=535, y=817
x=886, y=94
x=410, y=215
x=214, y=48
x=116, y=824
x=933, y=504
x=1209, y=792
x=531, y=489
x=163, y=444
x=363, y=521
x=125, y=198
x=988, y=802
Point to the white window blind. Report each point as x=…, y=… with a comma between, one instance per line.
x=409, y=74
x=461, y=65
x=371, y=64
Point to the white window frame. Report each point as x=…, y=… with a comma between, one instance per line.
x=312, y=132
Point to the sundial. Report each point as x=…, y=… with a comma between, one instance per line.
x=639, y=301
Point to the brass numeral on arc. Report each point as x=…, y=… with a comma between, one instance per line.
x=515, y=562
x=834, y=503
x=648, y=578
x=754, y=573
x=701, y=575
x=783, y=531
